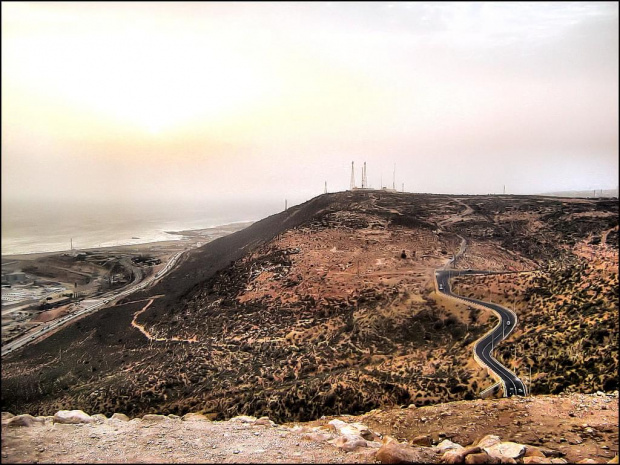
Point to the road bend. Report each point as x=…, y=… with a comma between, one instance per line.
x=483, y=349
x=96, y=305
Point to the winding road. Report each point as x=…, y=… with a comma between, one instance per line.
x=483, y=349
x=93, y=306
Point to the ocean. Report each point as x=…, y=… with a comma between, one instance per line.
x=30, y=227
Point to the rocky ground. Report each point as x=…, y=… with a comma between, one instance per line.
x=573, y=428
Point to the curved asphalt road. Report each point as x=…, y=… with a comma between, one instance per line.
x=483, y=348
x=101, y=303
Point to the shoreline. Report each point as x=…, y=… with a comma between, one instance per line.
x=185, y=236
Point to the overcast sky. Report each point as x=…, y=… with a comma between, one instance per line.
x=152, y=101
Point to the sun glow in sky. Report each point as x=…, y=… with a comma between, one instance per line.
x=201, y=100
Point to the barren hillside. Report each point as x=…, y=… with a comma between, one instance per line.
x=329, y=308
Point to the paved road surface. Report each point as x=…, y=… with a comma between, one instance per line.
x=90, y=306
x=484, y=347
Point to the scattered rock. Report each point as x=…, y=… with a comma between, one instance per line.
x=172, y=416
x=243, y=419
x=194, y=417
x=446, y=445
x=155, y=417
x=505, y=450
x=480, y=458
x=349, y=443
x=550, y=452
x=316, y=437
x=422, y=440
x=588, y=461
x=459, y=455
x=393, y=452
x=536, y=459
x=120, y=417
x=100, y=418
x=264, y=421
x=72, y=417
x=24, y=420
x=615, y=459
x=533, y=451
x=6, y=416
x=487, y=441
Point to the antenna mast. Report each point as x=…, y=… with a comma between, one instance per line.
x=325, y=188
x=352, y=177
x=394, y=178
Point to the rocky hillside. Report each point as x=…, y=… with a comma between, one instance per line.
x=325, y=309
x=515, y=430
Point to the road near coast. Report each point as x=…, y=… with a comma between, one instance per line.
x=91, y=306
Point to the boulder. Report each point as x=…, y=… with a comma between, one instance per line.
x=458, y=455
x=422, y=440
x=505, y=450
x=558, y=460
x=487, y=441
x=7, y=416
x=588, y=461
x=120, y=417
x=446, y=445
x=352, y=429
x=349, y=443
x=615, y=459
x=155, y=418
x=100, y=418
x=172, y=416
x=24, y=420
x=194, y=417
x=393, y=452
x=72, y=417
x=480, y=458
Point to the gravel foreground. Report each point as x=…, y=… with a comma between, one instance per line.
x=570, y=428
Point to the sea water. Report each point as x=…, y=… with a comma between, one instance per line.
x=30, y=227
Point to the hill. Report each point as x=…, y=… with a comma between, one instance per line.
x=329, y=308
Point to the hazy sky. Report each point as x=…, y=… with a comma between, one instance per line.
x=137, y=101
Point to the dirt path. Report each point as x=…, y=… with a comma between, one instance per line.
x=605, y=234
x=147, y=334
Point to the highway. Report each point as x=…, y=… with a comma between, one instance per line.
x=93, y=306
x=483, y=349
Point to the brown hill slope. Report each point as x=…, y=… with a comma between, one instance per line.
x=311, y=312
